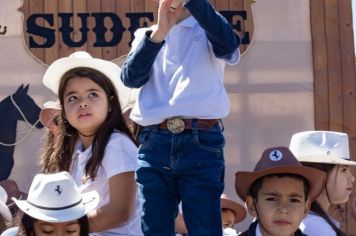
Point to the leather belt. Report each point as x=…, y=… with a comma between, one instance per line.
x=177, y=125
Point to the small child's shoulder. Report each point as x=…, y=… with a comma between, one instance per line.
x=314, y=224
x=119, y=136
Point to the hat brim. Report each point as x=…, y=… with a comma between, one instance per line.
x=315, y=178
x=239, y=211
x=326, y=159
x=57, y=69
x=5, y=212
x=90, y=201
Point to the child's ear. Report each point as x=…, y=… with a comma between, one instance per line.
x=251, y=207
x=307, y=206
x=109, y=103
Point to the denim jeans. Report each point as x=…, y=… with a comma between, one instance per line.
x=187, y=167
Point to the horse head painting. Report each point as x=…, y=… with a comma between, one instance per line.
x=17, y=106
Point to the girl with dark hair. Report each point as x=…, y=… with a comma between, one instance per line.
x=30, y=226
x=93, y=141
x=327, y=151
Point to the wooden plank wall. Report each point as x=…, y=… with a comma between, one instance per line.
x=120, y=8
x=335, y=78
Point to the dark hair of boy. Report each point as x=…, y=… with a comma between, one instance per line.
x=315, y=206
x=257, y=185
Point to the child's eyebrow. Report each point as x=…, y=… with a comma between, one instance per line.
x=278, y=194
x=296, y=195
x=74, y=92
x=272, y=194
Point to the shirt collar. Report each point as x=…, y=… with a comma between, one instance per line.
x=258, y=230
x=78, y=149
x=190, y=22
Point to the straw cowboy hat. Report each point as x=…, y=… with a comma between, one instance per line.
x=4, y=210
x=279, y=160
x=322, y=147
x=50, y=111
x=58, y=68
x=238, y=209
x=56, y=198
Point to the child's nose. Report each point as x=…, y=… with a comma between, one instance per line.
x=283, y=207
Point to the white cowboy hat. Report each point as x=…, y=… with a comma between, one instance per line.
x=56, y=198
x=321, y=147
x=4, y=210
x=58, y=68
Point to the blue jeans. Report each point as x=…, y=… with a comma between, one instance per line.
x=187, y=167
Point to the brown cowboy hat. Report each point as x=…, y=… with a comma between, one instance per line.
x=238, y=209
x=279, y=160
x=49, y=111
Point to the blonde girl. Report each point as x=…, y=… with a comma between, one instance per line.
x=327, y=151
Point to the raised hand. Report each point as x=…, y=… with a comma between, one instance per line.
x=167, y=18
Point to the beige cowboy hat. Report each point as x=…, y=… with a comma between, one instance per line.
x=58, y=68
x=56, y=198
x=327, y=147
x=238, y=209
x=50, y=110
x=279, y=160
x=4, y=210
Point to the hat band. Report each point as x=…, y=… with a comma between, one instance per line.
x=55, y=208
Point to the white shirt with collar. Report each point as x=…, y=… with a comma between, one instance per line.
x=186, y=80
x=120, y=156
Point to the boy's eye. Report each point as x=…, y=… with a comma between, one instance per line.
x=271, y=199
x=295, y=200
x=71, y=231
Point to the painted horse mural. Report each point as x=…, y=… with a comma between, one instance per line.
x=15, y=107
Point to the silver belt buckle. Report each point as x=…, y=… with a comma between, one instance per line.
x=175, y=125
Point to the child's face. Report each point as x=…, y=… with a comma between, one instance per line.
x=85, y=105
x=227, y=218
x=280, y=205
x=340, y=184
x=70, y=228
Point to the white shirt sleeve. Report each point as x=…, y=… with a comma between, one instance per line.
x=120, y=155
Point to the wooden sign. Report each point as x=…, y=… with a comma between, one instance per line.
x=105, y=28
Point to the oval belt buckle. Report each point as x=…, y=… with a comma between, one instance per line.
x=175, y=125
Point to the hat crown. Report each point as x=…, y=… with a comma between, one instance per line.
x=276, y=157
x=80, y=54
x=320, y=145
x=53, y=191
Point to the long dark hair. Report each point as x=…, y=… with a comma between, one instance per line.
x=27, y=228
x=59, y=158
x=315, y=206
